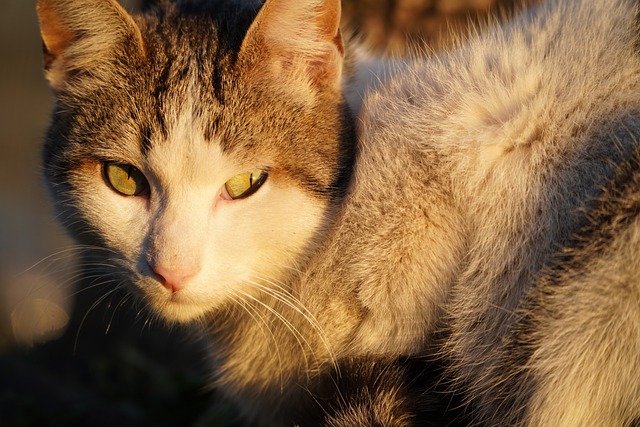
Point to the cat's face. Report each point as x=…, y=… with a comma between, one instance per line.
x=205, y=160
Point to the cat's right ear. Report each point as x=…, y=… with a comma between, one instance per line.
x=83, y=36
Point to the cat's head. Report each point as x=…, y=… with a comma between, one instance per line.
x=205, y=149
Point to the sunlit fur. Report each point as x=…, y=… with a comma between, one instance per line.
x=488, y=222
x=523, y=127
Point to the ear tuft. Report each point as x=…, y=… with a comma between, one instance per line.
x=299, y=40
x=79, y=35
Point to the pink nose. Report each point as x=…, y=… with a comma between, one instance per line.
x=175, y=279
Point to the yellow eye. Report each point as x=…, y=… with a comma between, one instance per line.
x=125, y=179
x=245, y=184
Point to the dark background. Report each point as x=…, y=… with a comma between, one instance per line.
x=106, y=367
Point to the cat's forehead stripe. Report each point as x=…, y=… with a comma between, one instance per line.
x=178, y=78
x=145, y=140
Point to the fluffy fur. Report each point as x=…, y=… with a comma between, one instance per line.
x=482, y=244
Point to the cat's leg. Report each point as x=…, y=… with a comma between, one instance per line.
x=401, y=392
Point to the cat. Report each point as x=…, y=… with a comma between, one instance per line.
x=465, y=251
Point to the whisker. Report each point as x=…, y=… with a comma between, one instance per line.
x=69, y=252
x=262, y=322
x=297, y=335
x=284, y=296
x=84, y=318
x=113, y=313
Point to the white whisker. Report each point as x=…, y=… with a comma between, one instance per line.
x=262, y=322
x=93, y=305
x=297, y=335
x=281, y=294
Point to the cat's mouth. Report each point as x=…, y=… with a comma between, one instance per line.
x=183, y=306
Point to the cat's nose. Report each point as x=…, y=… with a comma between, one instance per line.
x=175, y=278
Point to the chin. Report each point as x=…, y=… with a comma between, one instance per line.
x=175, y=310
x=181, y=307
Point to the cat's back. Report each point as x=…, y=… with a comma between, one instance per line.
x=551, y=67
x=522, y=123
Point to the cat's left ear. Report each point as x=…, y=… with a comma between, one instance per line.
x=297, y=40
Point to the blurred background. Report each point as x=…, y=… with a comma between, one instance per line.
x=68, y=358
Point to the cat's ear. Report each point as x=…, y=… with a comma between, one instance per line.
x=83, y=35
x=299, y=40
